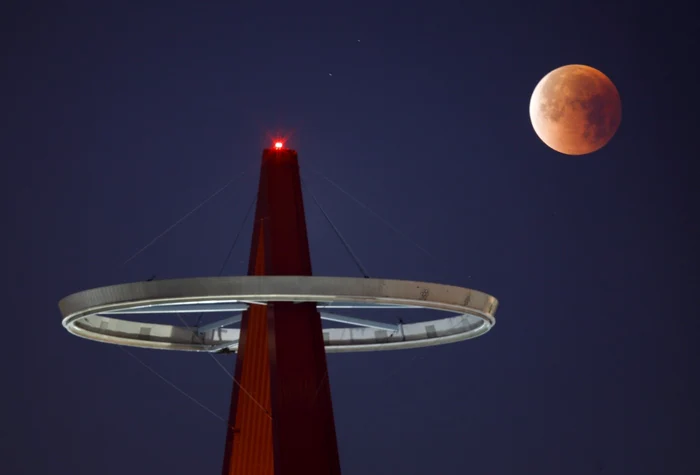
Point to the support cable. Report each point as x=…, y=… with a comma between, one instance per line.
x=238, y=235
x=230, y=250
x=337, y=232
x=152, y=242
x=187, y=215
x=223, y=368
x=318, y=389
x=370, y=210
x=172, y=385
x=194, y=331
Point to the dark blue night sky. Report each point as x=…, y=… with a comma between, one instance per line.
x=123, y=116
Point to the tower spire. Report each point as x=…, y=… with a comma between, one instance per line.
x=281, y=417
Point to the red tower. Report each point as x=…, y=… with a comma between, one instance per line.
x=281, y=417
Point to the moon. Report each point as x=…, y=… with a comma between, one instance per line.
x=575, y=109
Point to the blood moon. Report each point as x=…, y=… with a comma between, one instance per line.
x=575, y=109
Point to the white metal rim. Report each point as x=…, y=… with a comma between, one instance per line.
x=85, y=313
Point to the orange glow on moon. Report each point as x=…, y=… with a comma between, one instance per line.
x=575, y=109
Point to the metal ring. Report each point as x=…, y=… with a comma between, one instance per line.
x=91, y=313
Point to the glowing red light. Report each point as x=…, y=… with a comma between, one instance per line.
x=278, y=145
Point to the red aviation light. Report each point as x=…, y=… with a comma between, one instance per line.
x=279, y=145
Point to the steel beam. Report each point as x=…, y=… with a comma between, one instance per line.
x=360, y=322
x=220, y=323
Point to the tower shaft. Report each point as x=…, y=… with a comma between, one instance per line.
x=281, y=417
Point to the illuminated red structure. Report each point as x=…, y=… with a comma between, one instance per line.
x=281, y=416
